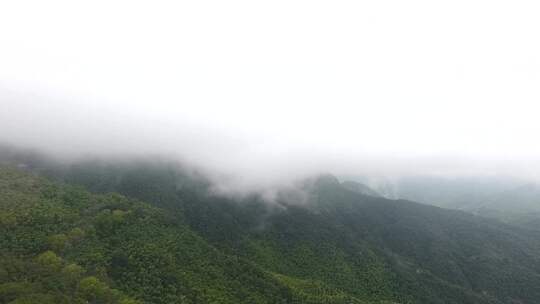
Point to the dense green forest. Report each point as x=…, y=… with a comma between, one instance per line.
x=154, y=232
x=61, y=244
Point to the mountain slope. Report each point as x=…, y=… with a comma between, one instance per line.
x=61, y=244
x=359, y=188
x=371, y=248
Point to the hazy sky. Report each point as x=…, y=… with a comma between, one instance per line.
x=263, y=86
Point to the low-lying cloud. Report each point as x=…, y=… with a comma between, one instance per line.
x=268, y=94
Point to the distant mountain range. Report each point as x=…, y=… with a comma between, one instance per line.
x=508, y=199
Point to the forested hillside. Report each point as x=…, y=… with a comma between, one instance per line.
x=370, y=247
x=167, y=238
x=61, y=244
x=269, y=152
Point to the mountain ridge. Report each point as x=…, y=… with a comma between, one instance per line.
x=324, y=243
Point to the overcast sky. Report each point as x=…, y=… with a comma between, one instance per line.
x=276, y=86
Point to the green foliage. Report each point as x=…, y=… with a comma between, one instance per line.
x=57, y=242
x=49, y=261
x=72, y=273
x=61, y=244
x=367, y=247
x=95, y=291
x=68, y=246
